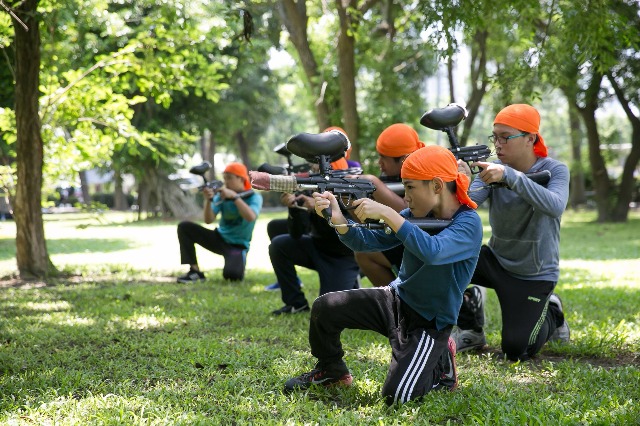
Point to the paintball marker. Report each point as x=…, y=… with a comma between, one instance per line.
x=215, y=185
x=200, y=170
x=289, y=169
x=445, y=119
x=321, y=149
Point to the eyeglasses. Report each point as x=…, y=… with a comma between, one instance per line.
x=494, y=139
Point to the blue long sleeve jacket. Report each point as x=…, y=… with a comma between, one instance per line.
x=436, y=269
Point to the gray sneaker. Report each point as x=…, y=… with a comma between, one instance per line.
x=467, y=340
x=562, y=333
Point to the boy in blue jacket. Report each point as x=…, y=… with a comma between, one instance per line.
x=418, y=309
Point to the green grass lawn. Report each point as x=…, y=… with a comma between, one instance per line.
x=117, y=341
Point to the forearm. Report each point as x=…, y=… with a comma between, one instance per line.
x=209, y=215
x=245, y=210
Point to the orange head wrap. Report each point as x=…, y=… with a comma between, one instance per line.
x=525, y=118
x=398, y=140
x=241, y=171
x=341, y=163
x=435, y=161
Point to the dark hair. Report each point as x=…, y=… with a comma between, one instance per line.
x=451, y=186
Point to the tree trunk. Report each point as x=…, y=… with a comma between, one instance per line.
x=84, y=186
x=625, y=193
x=577, y=194
x=601, y=183
x=479, y=82
x=213, y=147
x=243, y=147
x=119, y=197
x=347, y=76
x=294, y=17
x=31, y=248
x=164, y=197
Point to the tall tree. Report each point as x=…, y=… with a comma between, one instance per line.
x=31, y=248
x=589, y=44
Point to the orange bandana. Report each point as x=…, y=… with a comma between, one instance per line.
x=525, y=118
x=341, y=163
x=435, y=161
x=239, y=170
x=398, y=140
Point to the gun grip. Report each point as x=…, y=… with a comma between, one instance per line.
x=326, y=213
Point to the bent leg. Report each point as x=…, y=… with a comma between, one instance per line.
x=416, y=366
x=376, y=267
x=362, y=309
x=190, y=234
x=527, y=323
x=235, y=261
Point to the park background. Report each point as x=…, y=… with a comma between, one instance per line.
x=115, y=99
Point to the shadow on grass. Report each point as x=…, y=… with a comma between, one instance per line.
x=215, y=341
x=71, y=245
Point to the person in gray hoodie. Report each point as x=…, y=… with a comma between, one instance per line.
x=521, y=260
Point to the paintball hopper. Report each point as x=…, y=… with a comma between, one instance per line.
x=201, y=169
x=310, y=146
x=442, y=118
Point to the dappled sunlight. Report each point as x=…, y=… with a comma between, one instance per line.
x=603, y=273
x=148, y=321
x=53, y=306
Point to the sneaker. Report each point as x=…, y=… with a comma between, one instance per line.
x=467, y=340
x=317, y=377
x=191, y=277
x=273, y=287
x=288, y=309
x=562, y=333
x=449, y=376
x=276, y=286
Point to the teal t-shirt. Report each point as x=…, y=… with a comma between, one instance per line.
x=231, y=225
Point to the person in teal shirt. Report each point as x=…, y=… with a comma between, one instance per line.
x=417, y=310
x=238, y=208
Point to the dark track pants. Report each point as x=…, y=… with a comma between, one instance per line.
x=335, y=273
x=528, y=320
x=235, y=256
x=417, y=347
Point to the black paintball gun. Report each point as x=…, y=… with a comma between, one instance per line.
x=202, y=168
x=446, y=119
x=320, y=149
x=289, y=169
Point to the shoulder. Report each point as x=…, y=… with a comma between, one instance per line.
x=548, y=163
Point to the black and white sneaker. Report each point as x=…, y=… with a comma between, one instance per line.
x=562, y=333
x=191, y=277
x=318, y=377
x=288, y=309
x=449, y=375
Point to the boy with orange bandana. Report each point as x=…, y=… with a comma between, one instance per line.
x=231, y=238
x=419, y=308
x=521, y=260
x=394, y=144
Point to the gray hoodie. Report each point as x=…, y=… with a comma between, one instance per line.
x=525, y=220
